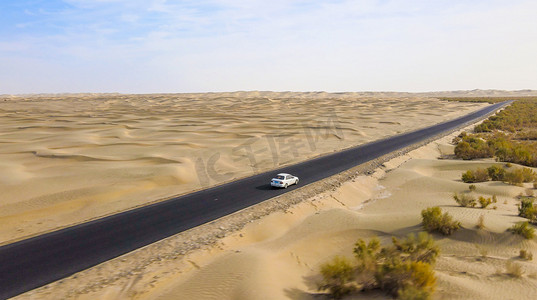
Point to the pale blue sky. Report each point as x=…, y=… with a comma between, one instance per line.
x=151, y=46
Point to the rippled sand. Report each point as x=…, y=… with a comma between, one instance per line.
x=69, y=159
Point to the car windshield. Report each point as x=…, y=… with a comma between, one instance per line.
x=280, y=177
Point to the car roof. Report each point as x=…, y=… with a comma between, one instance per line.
x=283, y=174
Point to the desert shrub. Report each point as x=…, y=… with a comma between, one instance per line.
x=481, y=222
x=472, y=187
x=398, y=276
x=464, y=200
x=518, y=176
x=528, y=174
x=508, y=165
x=367, y=256
x=513, y=269
x=484, y=202
x=514, y=178
x=524, y=229
x=434, y=220
x=496, y=173
x=527, y=210
x=473, y=147
x=479, y=175
x=413, y=293
x=404, y=269
x=338, y=277
x=524, y=254
x=420, y=248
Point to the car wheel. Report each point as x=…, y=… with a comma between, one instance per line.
x=285, y=186
x=296, y=182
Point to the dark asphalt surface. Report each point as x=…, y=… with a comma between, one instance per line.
x=40, y=260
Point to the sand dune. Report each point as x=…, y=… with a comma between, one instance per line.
x=472, y=264
x=69, y=159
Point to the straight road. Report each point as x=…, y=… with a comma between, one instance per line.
x=40, y=260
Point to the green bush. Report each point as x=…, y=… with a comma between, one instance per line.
x=524, y=229
x=464, y=200
x=338, y=277
x=527, y=210
x=434, y=220
x=496, y=173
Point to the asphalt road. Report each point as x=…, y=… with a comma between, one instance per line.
x=40, y=260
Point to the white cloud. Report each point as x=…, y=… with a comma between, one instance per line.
x=174, y=46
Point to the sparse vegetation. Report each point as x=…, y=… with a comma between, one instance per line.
x=483, y=252
x=510, y=136
x=472, y=187
x=524, y=254
x=535, y=184
x=404, y=270
x=524, y=229
x=464, y=200
x=433, y=220
x=515, y=177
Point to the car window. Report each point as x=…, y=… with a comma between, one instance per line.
x=288, y=176
x=280, y=177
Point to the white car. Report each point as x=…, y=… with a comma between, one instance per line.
x=283, y=180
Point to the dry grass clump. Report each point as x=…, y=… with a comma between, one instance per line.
x=483, y=252
x=513, y=269
x=464, y=200
x=524, y=229
x=433, y=220
x=404, y=269
x=525, y=254
x=481, y=222
x=472, y=187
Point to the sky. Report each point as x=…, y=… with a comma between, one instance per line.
x=159, y=46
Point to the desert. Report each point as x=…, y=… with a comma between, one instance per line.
x=67, y=160
x=276, y=253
